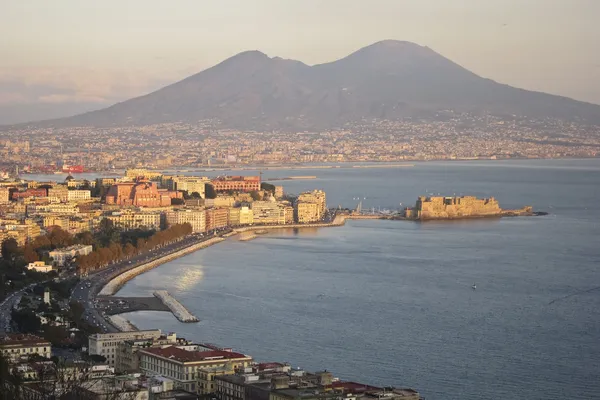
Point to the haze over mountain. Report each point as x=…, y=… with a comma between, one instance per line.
x=387, y=80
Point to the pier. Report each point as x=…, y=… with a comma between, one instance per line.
x=180, y=312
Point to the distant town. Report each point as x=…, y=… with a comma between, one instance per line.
x=453, y=136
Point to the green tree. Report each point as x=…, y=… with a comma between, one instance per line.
x=195, y=195
x=177, y=202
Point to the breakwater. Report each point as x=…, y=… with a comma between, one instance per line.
x=122, y=324
x=180, y=312
x=117, y=282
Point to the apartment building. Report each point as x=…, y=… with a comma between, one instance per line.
x=184, y=366
x=20, y=346
x=60, y=256
x=216, y=218
x=78, y=195
x=136, y=220
x=236, y=183
x=4, y=195
x=241, y=216
x=195, y=217
x=107, y=344
x=268, y=212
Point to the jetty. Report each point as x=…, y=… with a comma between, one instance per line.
x=122, y=324
x=245, y=238
x=180, y=312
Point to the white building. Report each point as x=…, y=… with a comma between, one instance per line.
x=60, y=256
x=107, y=344
x=20, y=346
x=75, y=195
x=39, y=266
x=196, y=218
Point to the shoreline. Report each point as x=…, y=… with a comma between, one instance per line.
x=114, y=285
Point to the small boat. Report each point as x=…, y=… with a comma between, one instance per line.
x=474, y=286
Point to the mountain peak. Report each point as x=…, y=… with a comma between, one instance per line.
x=388, y=79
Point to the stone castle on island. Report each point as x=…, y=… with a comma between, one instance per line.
x=440, y=207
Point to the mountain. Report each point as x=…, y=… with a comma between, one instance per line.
x=386, y=80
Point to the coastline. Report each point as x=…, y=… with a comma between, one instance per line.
x=115, y=284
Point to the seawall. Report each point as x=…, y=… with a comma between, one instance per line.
x=115, y=284
x=180, y=312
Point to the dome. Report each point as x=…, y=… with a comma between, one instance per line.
x=69, y=178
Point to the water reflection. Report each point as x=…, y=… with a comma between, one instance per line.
x=189, y=278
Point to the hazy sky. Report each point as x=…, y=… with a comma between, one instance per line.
x=107, y=50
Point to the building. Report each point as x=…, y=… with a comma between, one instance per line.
x=183, y=366
x=241, y=216
x=141, y=173
x=107, y=344
x=195, y=217
x=39, y=266
x=139, y=194
x=18, y=347
x=59, y=192
x=60, y=256
x=136, y=220
x=4, y=195
x=189, y=184
x=455, y=207
x=216, y=218
x=220, y=201
x=128, y=359
x=311, y=206
x=307, y=212
x=268, y=212
x=278, y=192
x=32, y=192
x=236, y=183
x=78, y=195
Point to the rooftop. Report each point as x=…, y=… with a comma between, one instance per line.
x=22, y=340
x=182, y=355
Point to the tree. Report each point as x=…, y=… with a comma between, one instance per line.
x=30, y=254
x=26, y=321
x=177, y=202
x=267, y=187
x=60, y=238
x=255, y=195
x=10, y=249
x=209, y=191
x=195, y=195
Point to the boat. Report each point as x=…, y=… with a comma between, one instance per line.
x=72, y=168
x=474, y=286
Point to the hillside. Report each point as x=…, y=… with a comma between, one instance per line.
x=387, y=80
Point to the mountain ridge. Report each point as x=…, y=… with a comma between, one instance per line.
x=389, y=79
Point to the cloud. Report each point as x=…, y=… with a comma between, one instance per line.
x=54, y=85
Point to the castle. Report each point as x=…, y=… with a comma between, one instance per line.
x=453, y=207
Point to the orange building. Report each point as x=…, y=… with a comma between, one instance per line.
x=39, y=192
x=216, y=218
x=139, y=194
x=236, y=183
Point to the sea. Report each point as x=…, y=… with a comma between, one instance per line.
x=392, y=302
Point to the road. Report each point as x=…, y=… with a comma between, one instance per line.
x=8, y=304
x=89, y=286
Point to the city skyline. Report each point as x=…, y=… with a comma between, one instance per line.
x=99, y=54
